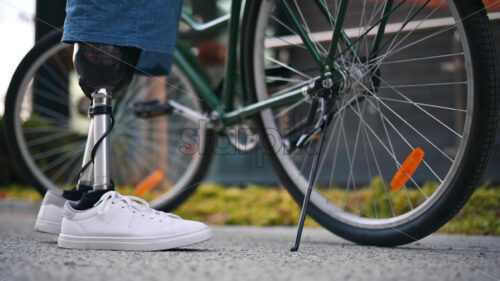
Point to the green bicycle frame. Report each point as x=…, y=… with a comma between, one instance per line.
x=224, y=103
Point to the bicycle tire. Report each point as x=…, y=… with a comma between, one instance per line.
x=468, y=172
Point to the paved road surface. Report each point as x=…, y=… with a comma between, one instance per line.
x=248, y=253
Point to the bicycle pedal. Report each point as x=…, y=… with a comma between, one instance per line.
x=150, y=109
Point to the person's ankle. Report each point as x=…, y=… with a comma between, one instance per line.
x=89, y=199
x=76, y=193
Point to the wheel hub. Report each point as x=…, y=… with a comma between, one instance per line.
x=348, y=79
x=357, y=78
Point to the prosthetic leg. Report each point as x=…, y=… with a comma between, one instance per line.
x=89, y=221
x=96, y=171
x=103, y=70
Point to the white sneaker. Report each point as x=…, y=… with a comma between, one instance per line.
x=51, y=211
x=50, y=214
x=119, y=222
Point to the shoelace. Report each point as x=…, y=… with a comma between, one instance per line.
x=132, y=202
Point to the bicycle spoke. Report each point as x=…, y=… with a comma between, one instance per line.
x=46, y=121
x=60, y=160
x=44, y=129
x=55, y=77
x=289, y=67
x=59, y=63
x=51, y=97
x=424, y=85
x=318, y=46
x=370, y=176
x=351, y=164
x=72, y=178
x=290, y=108
x=408, y=18
x=407, y=142
x=414, y=129
x=415, y=43
x=422, y=58
x=415, y=28
x=422, y=104
x=419, y=107
x=397, y=163
x=48, y=138
x=65, y=167
x=334, y=165
x=327, y=148
x=377, y=165
x=49, y=112
x=50, y=86
x=149, y=144
x=54, y=151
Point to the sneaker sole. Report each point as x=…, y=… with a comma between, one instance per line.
x=134, y=244
x=48, y=227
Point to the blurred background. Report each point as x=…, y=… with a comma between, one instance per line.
x=19, y=30
x=24, y=22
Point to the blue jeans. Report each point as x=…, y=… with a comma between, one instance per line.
x=150, y=25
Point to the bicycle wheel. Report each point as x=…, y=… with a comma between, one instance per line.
x=47, y=125
x=432, y=85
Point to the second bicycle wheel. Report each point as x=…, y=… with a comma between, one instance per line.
x=431, y=84
x=47, y=125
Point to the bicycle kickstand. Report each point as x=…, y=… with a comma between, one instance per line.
x=312, y=178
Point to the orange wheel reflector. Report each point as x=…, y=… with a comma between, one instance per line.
x=407, y=169
x=149, y=182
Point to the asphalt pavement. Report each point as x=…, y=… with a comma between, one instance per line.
x=247, y=253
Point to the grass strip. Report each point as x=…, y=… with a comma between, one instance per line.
x=268, y=206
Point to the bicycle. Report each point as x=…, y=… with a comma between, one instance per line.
x=298, y=84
